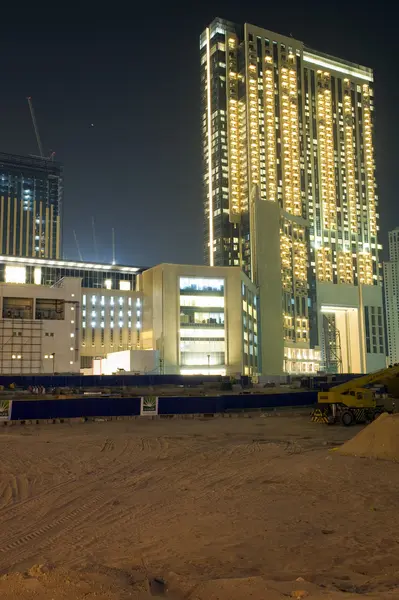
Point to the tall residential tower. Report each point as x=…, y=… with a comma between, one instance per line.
x=31, y=191
x=290, y=194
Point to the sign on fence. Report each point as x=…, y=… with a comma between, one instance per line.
x=149, y=406
x=5, y=410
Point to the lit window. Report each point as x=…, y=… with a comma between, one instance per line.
x=93, y=324
x=71, y=362
x=72, y=335
x=112, y=324
x=111, y=301
x=120, y=301
x=120, y=323
x=84, y=324
x=202, y=301
x=124, y=285
x=102, y=324
x=108, y=284
x=138, y=313
x=93, y=300
x=15, y=274
x=204, y=334
x=129, y=324
x=138, y=302
x=93, y=313
x=84, y=299
x=71, y=348
x=37, y=275
x=102, y=300
x=138, y=325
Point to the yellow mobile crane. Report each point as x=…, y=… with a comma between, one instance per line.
x=352, y=401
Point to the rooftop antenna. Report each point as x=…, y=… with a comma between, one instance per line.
x=77, y=245
x=113, y=247
x=94, y=238
x=38, y=140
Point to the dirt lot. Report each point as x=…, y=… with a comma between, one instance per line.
x=227, y=509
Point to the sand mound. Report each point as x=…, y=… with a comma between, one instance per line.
x=380, y=439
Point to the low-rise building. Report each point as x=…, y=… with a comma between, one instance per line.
x=201, y=319
x=63, y=317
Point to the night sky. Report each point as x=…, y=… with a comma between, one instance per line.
x=135, y=77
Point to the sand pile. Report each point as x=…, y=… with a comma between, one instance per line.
x=380, y=439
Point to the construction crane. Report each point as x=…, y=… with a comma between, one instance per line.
x=35, y=127
x=353, y=401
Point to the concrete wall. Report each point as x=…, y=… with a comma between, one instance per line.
x=45, y=346
x=161, y=319
x=268, y=278
x=372, y=296
x=130, y=361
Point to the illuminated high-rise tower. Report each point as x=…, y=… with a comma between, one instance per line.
x=31, y=192
x=290, y=193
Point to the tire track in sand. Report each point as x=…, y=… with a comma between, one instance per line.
x=35, y=533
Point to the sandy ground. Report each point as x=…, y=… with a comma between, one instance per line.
x=226, y=509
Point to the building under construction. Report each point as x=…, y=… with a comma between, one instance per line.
x=31, y=193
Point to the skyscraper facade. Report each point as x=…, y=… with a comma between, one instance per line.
x=31, y=191
x=290, y=193
x=391, y=294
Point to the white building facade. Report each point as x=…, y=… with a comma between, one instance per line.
x=201, y=319
x=391, y=295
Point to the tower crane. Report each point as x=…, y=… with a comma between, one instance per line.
x=35, y=127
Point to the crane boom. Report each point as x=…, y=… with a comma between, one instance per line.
x=32, y=112
x=364, y=380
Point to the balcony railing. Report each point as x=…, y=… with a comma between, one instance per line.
x=204, y=324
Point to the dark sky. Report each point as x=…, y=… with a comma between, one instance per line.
x=135, y=76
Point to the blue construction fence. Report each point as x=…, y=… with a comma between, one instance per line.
x=108, y=381
x=22, y=410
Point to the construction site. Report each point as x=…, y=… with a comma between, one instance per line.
x=221, y=430
x=266, y=503
x=232, y=508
